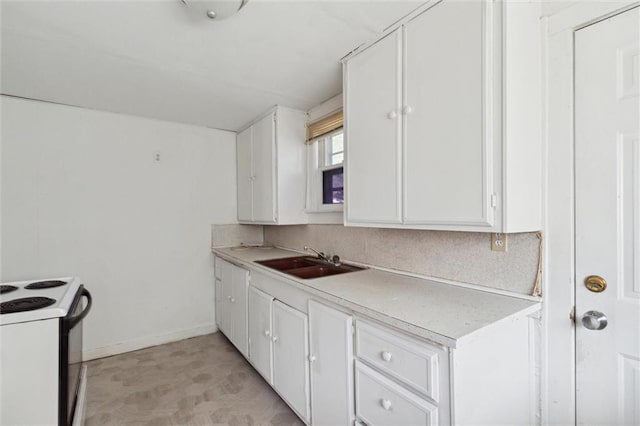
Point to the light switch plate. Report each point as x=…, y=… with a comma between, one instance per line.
x=499, y=242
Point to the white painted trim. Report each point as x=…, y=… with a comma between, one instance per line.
x=148, y=341
x=558, y=333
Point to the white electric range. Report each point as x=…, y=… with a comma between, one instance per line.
x=43, y=380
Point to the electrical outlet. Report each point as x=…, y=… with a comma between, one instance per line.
x=499, y=242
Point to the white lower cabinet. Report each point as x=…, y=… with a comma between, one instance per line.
x=399, y=380
x=231, y=303
x=379, y=401
x=260, y=344
x=334, y=368
x=279, y=349
x=290, y=357
x=331, y=365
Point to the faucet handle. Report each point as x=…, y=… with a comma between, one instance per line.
x=335, y=260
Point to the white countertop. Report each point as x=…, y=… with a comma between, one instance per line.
x=438, y=311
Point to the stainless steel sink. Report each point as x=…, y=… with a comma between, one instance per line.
x=307, y=267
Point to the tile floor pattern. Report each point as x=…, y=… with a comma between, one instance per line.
x=198, y=381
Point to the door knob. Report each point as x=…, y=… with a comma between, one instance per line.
x=594, y=320
x=595, y=283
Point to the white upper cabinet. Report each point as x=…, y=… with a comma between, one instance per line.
x=442, y=118
x=373, y=102
x=244, y=142
x=271, y=163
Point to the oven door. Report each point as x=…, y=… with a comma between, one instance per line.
x=71, y=357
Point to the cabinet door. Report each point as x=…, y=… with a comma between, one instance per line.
x=260, y=345
x=331, y=356
x=447, y=151
x=264, y=170
x=218, y=300
x=373, y=133
x=290, y=357
x=244, y=175
x=239, y=333
x=226, y=285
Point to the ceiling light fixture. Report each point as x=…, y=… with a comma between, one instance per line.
x=215, y=9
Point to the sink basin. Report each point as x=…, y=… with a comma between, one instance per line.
x=307, y=267
x=290, y=262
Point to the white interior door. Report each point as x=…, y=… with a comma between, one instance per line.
x=607, y=153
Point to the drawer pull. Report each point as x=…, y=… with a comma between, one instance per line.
x=312, y=358
x=274, y=339
x=386, y=404
x=386, y=355
x=267, y=333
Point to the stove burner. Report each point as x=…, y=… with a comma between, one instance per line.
x=25, y=304
x=44, y=284
x=7, y=288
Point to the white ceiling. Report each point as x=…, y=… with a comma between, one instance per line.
x=155, y=59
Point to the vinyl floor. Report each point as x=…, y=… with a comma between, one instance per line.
x=198, y=381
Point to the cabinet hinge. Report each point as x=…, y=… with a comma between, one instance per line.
x=494, y=200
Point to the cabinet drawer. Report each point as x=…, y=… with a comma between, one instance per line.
x=412, y=362
x=379, y=401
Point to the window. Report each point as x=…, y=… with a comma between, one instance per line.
x=331, y=167
x=325, y=189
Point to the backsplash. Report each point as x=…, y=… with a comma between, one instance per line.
x=457, y=256
x=236, y=234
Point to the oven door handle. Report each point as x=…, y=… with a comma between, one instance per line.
x=75, y=320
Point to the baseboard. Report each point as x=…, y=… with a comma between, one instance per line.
x=148, y=341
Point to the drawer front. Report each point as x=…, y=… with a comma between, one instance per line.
x=379, y=401
x=412, y=362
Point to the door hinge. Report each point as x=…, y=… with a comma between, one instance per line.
x=572, y=314
x=494, y=200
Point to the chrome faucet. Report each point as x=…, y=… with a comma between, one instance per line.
x=320, y=254
x=335, y=259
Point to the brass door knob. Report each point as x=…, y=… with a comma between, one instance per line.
x=595, y=283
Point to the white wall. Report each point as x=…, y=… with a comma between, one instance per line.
x=83, y=195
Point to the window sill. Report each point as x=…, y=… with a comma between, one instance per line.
x=332, y=209
x=324, y=217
